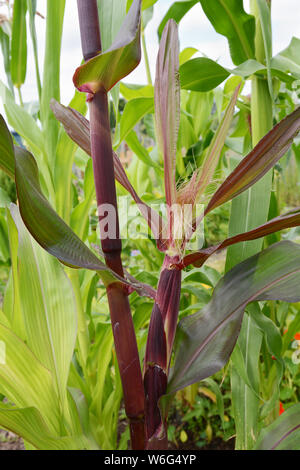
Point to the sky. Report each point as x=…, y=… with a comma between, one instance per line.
x=195, y=30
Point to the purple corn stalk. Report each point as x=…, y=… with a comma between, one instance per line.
x=160, y=340
x=102, y=154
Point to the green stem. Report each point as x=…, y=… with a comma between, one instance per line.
x=20, y=96
x=35, y=50
x=146, y=57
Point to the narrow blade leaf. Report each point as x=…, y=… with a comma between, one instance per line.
x=206, y=339
x=167, y=104
x=279, y=223
x=259, y=161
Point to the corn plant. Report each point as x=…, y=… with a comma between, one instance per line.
x=177, y=354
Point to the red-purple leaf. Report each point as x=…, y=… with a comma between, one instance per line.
x=262, y=158
x=291, y=219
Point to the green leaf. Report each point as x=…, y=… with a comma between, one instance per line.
x=50, y=231
x=245, y=385
x=288, y=60
x=139, y=150
x=24, y=124
x=109, y=67
x=7, y=160
x=283, y=433
x=25, y=381
x=19, y=43
x=133, y=112
x=30, y=424
x=206, y=339
x=176, y=12
x=201, y=74
x=51, y=320
x=229, y=18
x=186, y=54
x=63, y=173
x=248, y=68
x=5, y=34
x=130, y=91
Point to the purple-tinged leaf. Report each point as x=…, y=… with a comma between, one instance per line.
x=205, y=340
x=283, y=433
x=109, y=67
x=51, y=232
x=291, y=219
x=259, y=161
x=167, y=105
x=78, y=129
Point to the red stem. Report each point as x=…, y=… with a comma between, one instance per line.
x=102, y=154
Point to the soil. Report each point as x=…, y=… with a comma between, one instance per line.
x=9, y=441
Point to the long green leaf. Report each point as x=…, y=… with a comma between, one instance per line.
x=30, y=424
x=25, y=381
x=109, y=67
x=51, y=75
x=51, y=320
x=19, y=43
x=206, y=339
x=229, y=18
